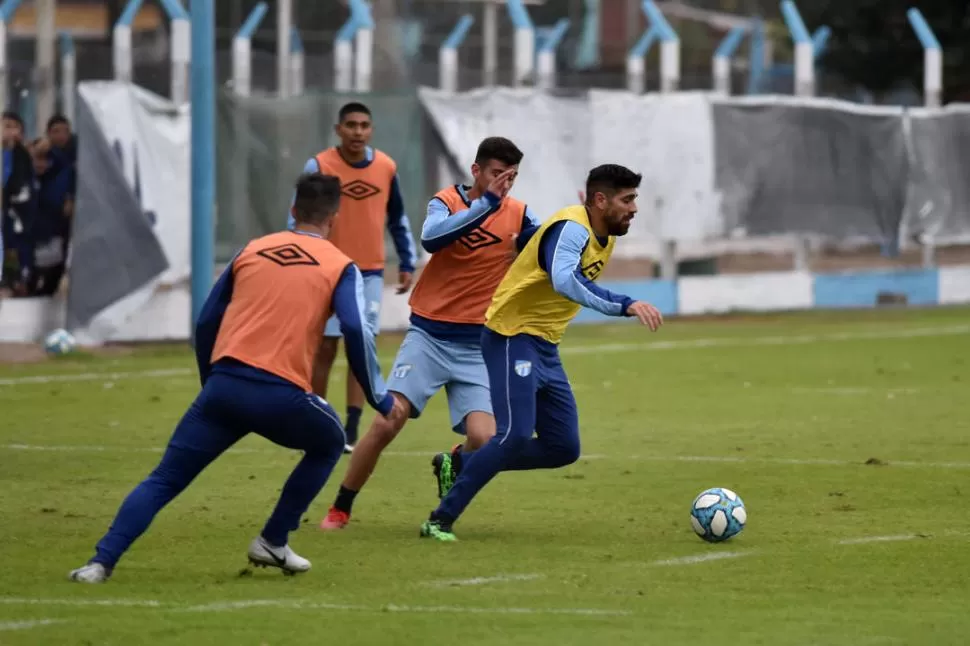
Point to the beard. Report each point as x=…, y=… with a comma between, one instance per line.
x=618, y=225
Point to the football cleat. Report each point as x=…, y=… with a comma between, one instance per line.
x=437, y=530
x=262, y=554
x=348, y=449
x=441, y=466
x=90, y=573
x=446, y=467
x=335, y=519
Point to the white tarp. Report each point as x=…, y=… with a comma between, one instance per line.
x=669, y=139
x=153, y=137
x=666, y=138
x=150, y=137
x=553, y=132
x=730, y=174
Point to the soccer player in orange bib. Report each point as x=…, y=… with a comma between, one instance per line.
x=471, y=233
x=255, y=342
x=371, y=201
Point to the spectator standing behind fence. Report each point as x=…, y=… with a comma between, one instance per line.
x=54, y=184
x=63, y=141
x=18, y=206
x=55, y=163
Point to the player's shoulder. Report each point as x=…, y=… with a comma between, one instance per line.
x=514, y=204
x=325, y=161
x=291, y=247
x=328, y=153
x=381, y=157
x=450, y=196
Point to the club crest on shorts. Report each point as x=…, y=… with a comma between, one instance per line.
x=401, y=371
x=523, y=368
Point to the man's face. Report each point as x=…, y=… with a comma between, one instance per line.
x=59, y=134
x=354, y=132
x=12, y=132
x=486, y=173
x=619, y=210
x=41, y=162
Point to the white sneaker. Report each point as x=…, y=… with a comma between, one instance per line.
x=90, y=573
x=262, y=554
x=348, y=449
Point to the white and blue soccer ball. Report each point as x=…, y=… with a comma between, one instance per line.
x=59, y=341
x=718, y=514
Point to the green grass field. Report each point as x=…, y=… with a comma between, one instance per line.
x=847, y=435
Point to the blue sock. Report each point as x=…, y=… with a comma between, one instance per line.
x=301, y=488
x=353, y=421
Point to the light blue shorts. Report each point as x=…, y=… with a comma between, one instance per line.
x=424, y=364
x=373, y=293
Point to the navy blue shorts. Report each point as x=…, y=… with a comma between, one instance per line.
x=530, y=390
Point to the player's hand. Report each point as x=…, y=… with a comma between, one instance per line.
x=647, y=314
x=514, y=251
x=404, y=281
x=502, y=184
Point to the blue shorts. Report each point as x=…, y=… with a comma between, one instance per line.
x=531, y=391
x=424, y=364
x=373, y=294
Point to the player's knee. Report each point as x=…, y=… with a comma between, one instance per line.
x=514, y=442
x=385, y=430
x=325, y=442
x=479, y=429
x=567, y=452
x=327, y=353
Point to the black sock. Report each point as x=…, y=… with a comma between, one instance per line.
x=345, y=499
x=353, y=421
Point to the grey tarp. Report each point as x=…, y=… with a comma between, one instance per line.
x=822, y=169
x=113, y=251
x=939, y=202
x=264, y=142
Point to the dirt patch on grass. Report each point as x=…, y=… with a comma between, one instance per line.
x=21, y=353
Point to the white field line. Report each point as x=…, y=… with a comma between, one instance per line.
x=854, y=390
x=27, y=625
x=724, y=459
x=484, y=580
x=226, y=606
x=782, y=340
x=97, y=376
x=582, y=612
x=880, y=539
x=391, y=607
x=132, y=603
x=602, y=348
x=702, y=558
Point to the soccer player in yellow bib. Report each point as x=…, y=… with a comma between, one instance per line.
x=546, y=286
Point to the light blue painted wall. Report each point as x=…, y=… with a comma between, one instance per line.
x=861, y=289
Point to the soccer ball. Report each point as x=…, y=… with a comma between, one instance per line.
x=718, y=514
x=59, y=341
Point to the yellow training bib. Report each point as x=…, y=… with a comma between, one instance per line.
x=526, y=303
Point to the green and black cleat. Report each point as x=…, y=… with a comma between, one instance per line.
x=446, y=467
x=438, y=530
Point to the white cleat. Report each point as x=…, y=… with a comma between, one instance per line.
x=90, y=573
x=348, y=449
x=262, y=554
